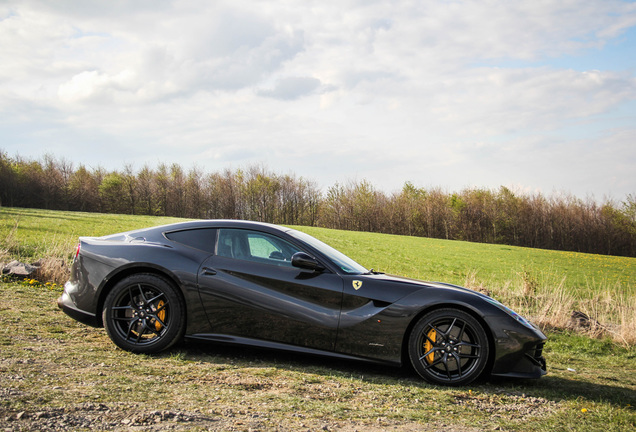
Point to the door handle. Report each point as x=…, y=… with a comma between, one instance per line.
x=209, y=271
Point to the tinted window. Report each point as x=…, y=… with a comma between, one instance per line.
x=255, y=246
x=202, y=239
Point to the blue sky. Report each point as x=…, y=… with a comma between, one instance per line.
x=535, y=96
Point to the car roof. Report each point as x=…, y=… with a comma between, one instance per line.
x=210, y=223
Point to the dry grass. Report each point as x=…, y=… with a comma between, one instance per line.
x=8, y=243
x=549, y=304
x=4, y=255
x=54, y=270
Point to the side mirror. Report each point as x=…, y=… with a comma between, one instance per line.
x=305, y=261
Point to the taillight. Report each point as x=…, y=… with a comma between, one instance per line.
x=79, y=246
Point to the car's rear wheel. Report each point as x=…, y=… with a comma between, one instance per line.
x=448, y=346
x=144, y=313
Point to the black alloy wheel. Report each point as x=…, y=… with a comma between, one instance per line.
x=448, y=346
x=144, y=313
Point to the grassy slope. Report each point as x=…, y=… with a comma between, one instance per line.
x=541, y=284
x=452, y=261
x=33, y=233
x=39, y=231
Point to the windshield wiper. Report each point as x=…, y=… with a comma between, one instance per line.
x=372, y=272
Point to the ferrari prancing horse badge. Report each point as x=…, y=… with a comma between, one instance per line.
x=357, y=284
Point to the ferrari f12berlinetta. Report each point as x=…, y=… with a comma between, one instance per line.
x=269, y=286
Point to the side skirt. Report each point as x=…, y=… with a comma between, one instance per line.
x=235, y=340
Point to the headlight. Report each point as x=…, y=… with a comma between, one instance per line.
x=510, y=312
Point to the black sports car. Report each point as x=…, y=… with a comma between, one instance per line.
x=264, y=285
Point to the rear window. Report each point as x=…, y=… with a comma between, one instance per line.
x=202, y=238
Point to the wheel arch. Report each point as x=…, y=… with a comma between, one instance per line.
x=114, y=279
x=453, y=305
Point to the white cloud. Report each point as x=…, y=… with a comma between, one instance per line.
x=437, y=92
x=292, y=88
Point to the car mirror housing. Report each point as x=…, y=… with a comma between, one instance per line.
x=306, y=261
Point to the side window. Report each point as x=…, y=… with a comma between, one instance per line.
x=255, y=246
x=263, y=247
x=202, y=239
x=232, y=243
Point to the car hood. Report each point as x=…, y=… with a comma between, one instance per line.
x=391, y=288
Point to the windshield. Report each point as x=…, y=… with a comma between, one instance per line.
x=345, y=263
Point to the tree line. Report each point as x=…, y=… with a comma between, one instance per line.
x=256, y=193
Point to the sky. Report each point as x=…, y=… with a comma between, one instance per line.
x=538, y=96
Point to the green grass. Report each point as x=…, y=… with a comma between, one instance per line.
x=32, y=234
x=542, y=284
x=452, y=261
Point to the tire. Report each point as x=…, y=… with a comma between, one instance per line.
x=449, y=347
x=144, y=313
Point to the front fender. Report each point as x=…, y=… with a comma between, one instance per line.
x=384, y=334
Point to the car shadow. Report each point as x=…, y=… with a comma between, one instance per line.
x=249, y=356
x=550, y=387
x=557, y=388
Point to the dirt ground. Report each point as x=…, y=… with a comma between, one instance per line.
x=114, y=417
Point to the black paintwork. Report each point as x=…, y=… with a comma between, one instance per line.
x=319, y=309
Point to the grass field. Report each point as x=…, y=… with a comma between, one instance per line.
x=542, y=284
x=56, y=374
x=32, y=234
x=453, y=261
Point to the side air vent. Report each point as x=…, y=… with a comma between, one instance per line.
x=535, y=355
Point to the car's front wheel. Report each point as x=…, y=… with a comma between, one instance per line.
x=144, y=313
x=448, y=346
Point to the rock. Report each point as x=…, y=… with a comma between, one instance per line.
x=581, y=320
x=19, y=269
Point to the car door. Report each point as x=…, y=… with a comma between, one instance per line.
x=250, y=289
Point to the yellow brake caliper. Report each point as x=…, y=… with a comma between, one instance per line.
x=428, y=345
x=161, y=315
